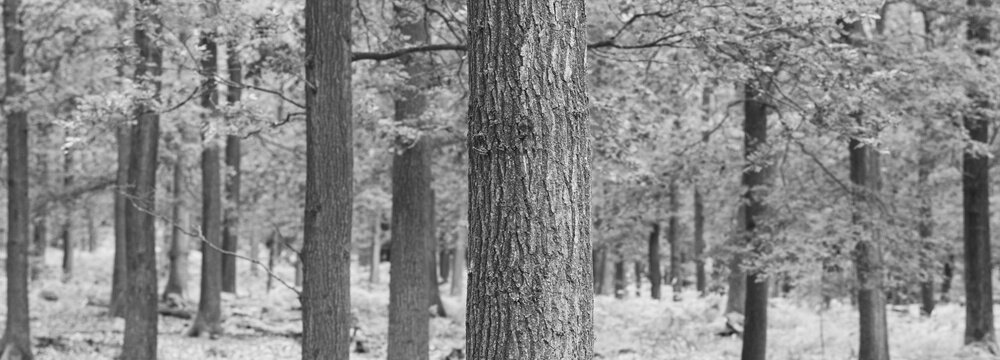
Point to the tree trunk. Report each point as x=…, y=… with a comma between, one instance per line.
x=179, y=244
x=979, y=326
x=947, y=274
x=674, y=241
x=209, y=317
x=16, y=341
x=67, y=228
x=374, y=276
x=119, y=282
x=433, y=290
x=230, y=234
x=597, y=256
x=273, y=251
x=925, y=228
x=88, y=213
x=638, y=278
x=655, y=278
x=866, y=175
x=736, y=292
x=458, y=269
x=140, y=250
x=412, y=213
x=756, y=179
x=444, y=265
x=620, y=281
x=40, y=236
x=530, y=295
x=699, y=243
x=326, y=293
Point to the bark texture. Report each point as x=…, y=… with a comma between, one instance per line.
x=655, y=277
x=866, y=176
x=209, y=317
x=140, y=250
x=756, y=180
x=16, y=340
x=979, y=326
x=530, y=294
x=230, y=233
x=326, y=248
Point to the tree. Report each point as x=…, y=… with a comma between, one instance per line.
x=433, y=290
x=655, y=279
x=16, y=341
x=412, y=210
x=375, y=275
x=620, y=282
x=736, y=293
x=209, y=315
x=177, y=277
x=123, y=144
x=458, y=270
x=865, y=174
x=140, y=250
x=701, y=280
x=529, y=183
x=40, y=220
x=979, y=326
x=326, y=252
x=230, y=231
x=756, y=179
x=67, y=230
x=673, y=239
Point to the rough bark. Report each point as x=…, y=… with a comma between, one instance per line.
x=179, y=243
x=674, y=241
x=68, y=223
x=620, y=281
x=701, y=279
x=209, y=317
x=755, y=180
x=866, y=176
x=412, y=204
x=326, y=248
x=655, y=278
x=119, y=281
x=979, y=326
x=736, y=292
x=230, y=233
x=16, y=340
x=141, y=293
x=375, y=275
x=530, y=294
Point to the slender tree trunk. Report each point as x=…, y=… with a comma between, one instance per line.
x=866, y=175
x=676, y=278
x=273, y=252
x=756, y=179
x=433, y=290
x=230, y=234
x=947, y=274
x=412, y=207
x=179, y=244
x=607, y=272
x=979, y=326
x=88, y=213
x=655, y=278
x=638, y=278
x=458, y=269
x=375, y=275
x=209, y=317
x=530, y=295
x=620, y=281
x=598, y=269
x=40, y=236
x=736, y=293
x=67, y=228
x=326, y=248
x=925, y=228
x=119, y=281
x=16, y=340
x=140, y=250
x=699, y=243
x=444, y=265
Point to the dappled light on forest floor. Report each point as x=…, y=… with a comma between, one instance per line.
x=258, y=325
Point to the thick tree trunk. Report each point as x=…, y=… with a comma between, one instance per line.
x=458, y=269
x=230, y=234
x=979, y=326
x=755, y=180
x=411, y=267
x=67, y=228
x=699, y=243
x=140, y=250
x=655, y=278
x=209, y=317
x=620, y=281
x=119, y=281
x=676, y=278
x=179, y=244
x=866, y=175
x=530, y=295
x=16, y=340
x=375, y=275
x=326, y=293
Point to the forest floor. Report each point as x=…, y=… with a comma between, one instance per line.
x=262, y=325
